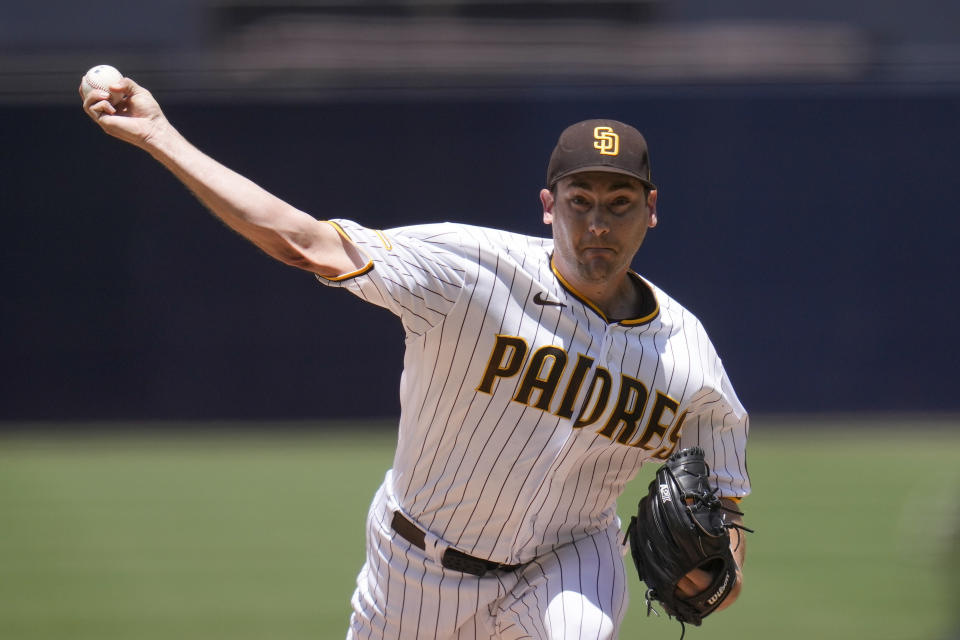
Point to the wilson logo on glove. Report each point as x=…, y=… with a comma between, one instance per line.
x=715, y=598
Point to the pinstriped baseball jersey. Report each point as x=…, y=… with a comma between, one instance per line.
x=524, y=411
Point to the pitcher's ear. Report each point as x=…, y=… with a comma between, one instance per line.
x=652, y=206
x=546, y=199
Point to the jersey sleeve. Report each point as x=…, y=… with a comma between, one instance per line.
x=719, y=424
x=417, y=272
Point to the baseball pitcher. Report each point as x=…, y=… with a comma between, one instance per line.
x=539, y=375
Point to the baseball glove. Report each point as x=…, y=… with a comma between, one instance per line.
x=681, y=525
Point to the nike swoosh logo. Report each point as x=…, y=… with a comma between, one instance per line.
x=539, y=299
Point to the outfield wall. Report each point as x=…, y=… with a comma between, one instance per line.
x=813, y=230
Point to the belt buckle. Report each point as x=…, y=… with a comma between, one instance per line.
x=459, y=561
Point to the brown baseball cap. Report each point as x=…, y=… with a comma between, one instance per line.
x=600, y=145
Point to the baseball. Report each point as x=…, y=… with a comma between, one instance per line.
x=101, y=77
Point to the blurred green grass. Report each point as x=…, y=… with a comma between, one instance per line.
x=259, y=534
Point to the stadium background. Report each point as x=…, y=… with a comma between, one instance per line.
x=806, y=161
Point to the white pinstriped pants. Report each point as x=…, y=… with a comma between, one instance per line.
x=575, y=592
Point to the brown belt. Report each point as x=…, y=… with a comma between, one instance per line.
x=452, y=559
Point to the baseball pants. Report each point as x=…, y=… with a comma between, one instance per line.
x=575, y=592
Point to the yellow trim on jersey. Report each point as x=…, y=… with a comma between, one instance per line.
x=650, y=316
x=384, y=239
x=576, y=294
x=353, y=274
x=582, y=298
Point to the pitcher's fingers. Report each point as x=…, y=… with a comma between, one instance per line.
x=697, y=581
x=125, y=86
x=97, y=104
x=93, y=97
x=686, y=588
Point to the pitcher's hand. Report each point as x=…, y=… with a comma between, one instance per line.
x=136, y=119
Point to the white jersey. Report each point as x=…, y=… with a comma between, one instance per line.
x=524, y=410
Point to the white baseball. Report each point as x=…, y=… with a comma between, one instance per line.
x=101, y=77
